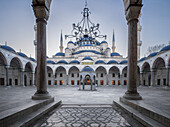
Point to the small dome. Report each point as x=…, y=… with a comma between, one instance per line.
x=50, y=62
x=74, y=62
x=153, y=54
x=112, y=62
x=97, y=43
x=7, y=48
x=60, y=54
x=22, y=54
x=100, y=62
x=87, y=58
x=87, y=69
x=123, y=62
x=103, y=42
x=47, y=57
x=67, y=48
x=32, y=59
x=165, y=48
x=115, y=54
x=62, y=62
x=70, y=42
x=142, y=59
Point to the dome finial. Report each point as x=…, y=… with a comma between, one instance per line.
x=5, y=43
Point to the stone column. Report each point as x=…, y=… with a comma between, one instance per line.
x=141, y=78
x=41, y=10
x=167, y=76
x=33, y=78
x=152, y=77
x=53, y=79
x=22, y=78
x=66, y=79
x=121, y=82
x=7, y=75
x=132, y=11
x=107, y=79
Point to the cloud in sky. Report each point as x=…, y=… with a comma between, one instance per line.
x=17, y=22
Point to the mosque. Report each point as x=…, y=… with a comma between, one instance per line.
x=86, y=55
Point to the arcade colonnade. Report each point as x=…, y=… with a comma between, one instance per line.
x=22, y=71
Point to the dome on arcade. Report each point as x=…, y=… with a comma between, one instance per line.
x=7, y=48
x=123, y=62
x=97, y=43
x=100, y=62
x=112, y=62
x=153, y=54
x=32, y=59
x=60, y=54
x=22, y=54
x=70, y=42
x=74, y=62
x=62, y=62
x=87, y=69
x=103, y=42
x=87, y=58
x=165, y=48
x=50, y=62
x=115, y=54
x=142, y=59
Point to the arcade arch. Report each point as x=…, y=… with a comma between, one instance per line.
x=73, y=76
x=60, y=76
x=114, y=76
x=101, y=76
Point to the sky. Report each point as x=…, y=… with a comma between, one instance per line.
x=17, y=23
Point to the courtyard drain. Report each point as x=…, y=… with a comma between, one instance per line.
x=86, y=116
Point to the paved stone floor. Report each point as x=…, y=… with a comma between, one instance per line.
x=86, y=116
x=158, y=97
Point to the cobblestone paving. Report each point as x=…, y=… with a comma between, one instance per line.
x=86, y=117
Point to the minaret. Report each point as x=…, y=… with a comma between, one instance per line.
x=138, y=37
x=35, y=41
x=61, y=43
x=113, y=43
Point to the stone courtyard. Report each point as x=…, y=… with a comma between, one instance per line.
x=86, y=108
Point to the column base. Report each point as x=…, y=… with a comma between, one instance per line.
x=132, y=96
x=41, y=96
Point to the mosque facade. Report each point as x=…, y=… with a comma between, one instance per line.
x=85, y=54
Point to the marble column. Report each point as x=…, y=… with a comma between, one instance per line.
x=121, y=82
x=66, y=79
x=33, y=78
x=152, y=77
x=7, y=75
x=22, y=78
x=53, y=83
x=107, y=79
x=167, y=76
x=132, y=11
x=41, y=10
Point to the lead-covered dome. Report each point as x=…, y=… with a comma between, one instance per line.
x=88, y=69
x=153, y=54
x=142, y=59
x=7, y=48
x=115, y=54
x=87, y=58
x=50, y=62
x=22, y=54
x=100, y=62
x=123, y=62
x=62, y=62
x=60, y=54
x=165, y=48
x=112, y=62
x=32, y=59
x=74, y=62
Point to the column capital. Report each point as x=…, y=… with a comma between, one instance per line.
x=41, y=9
x=132, y=9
